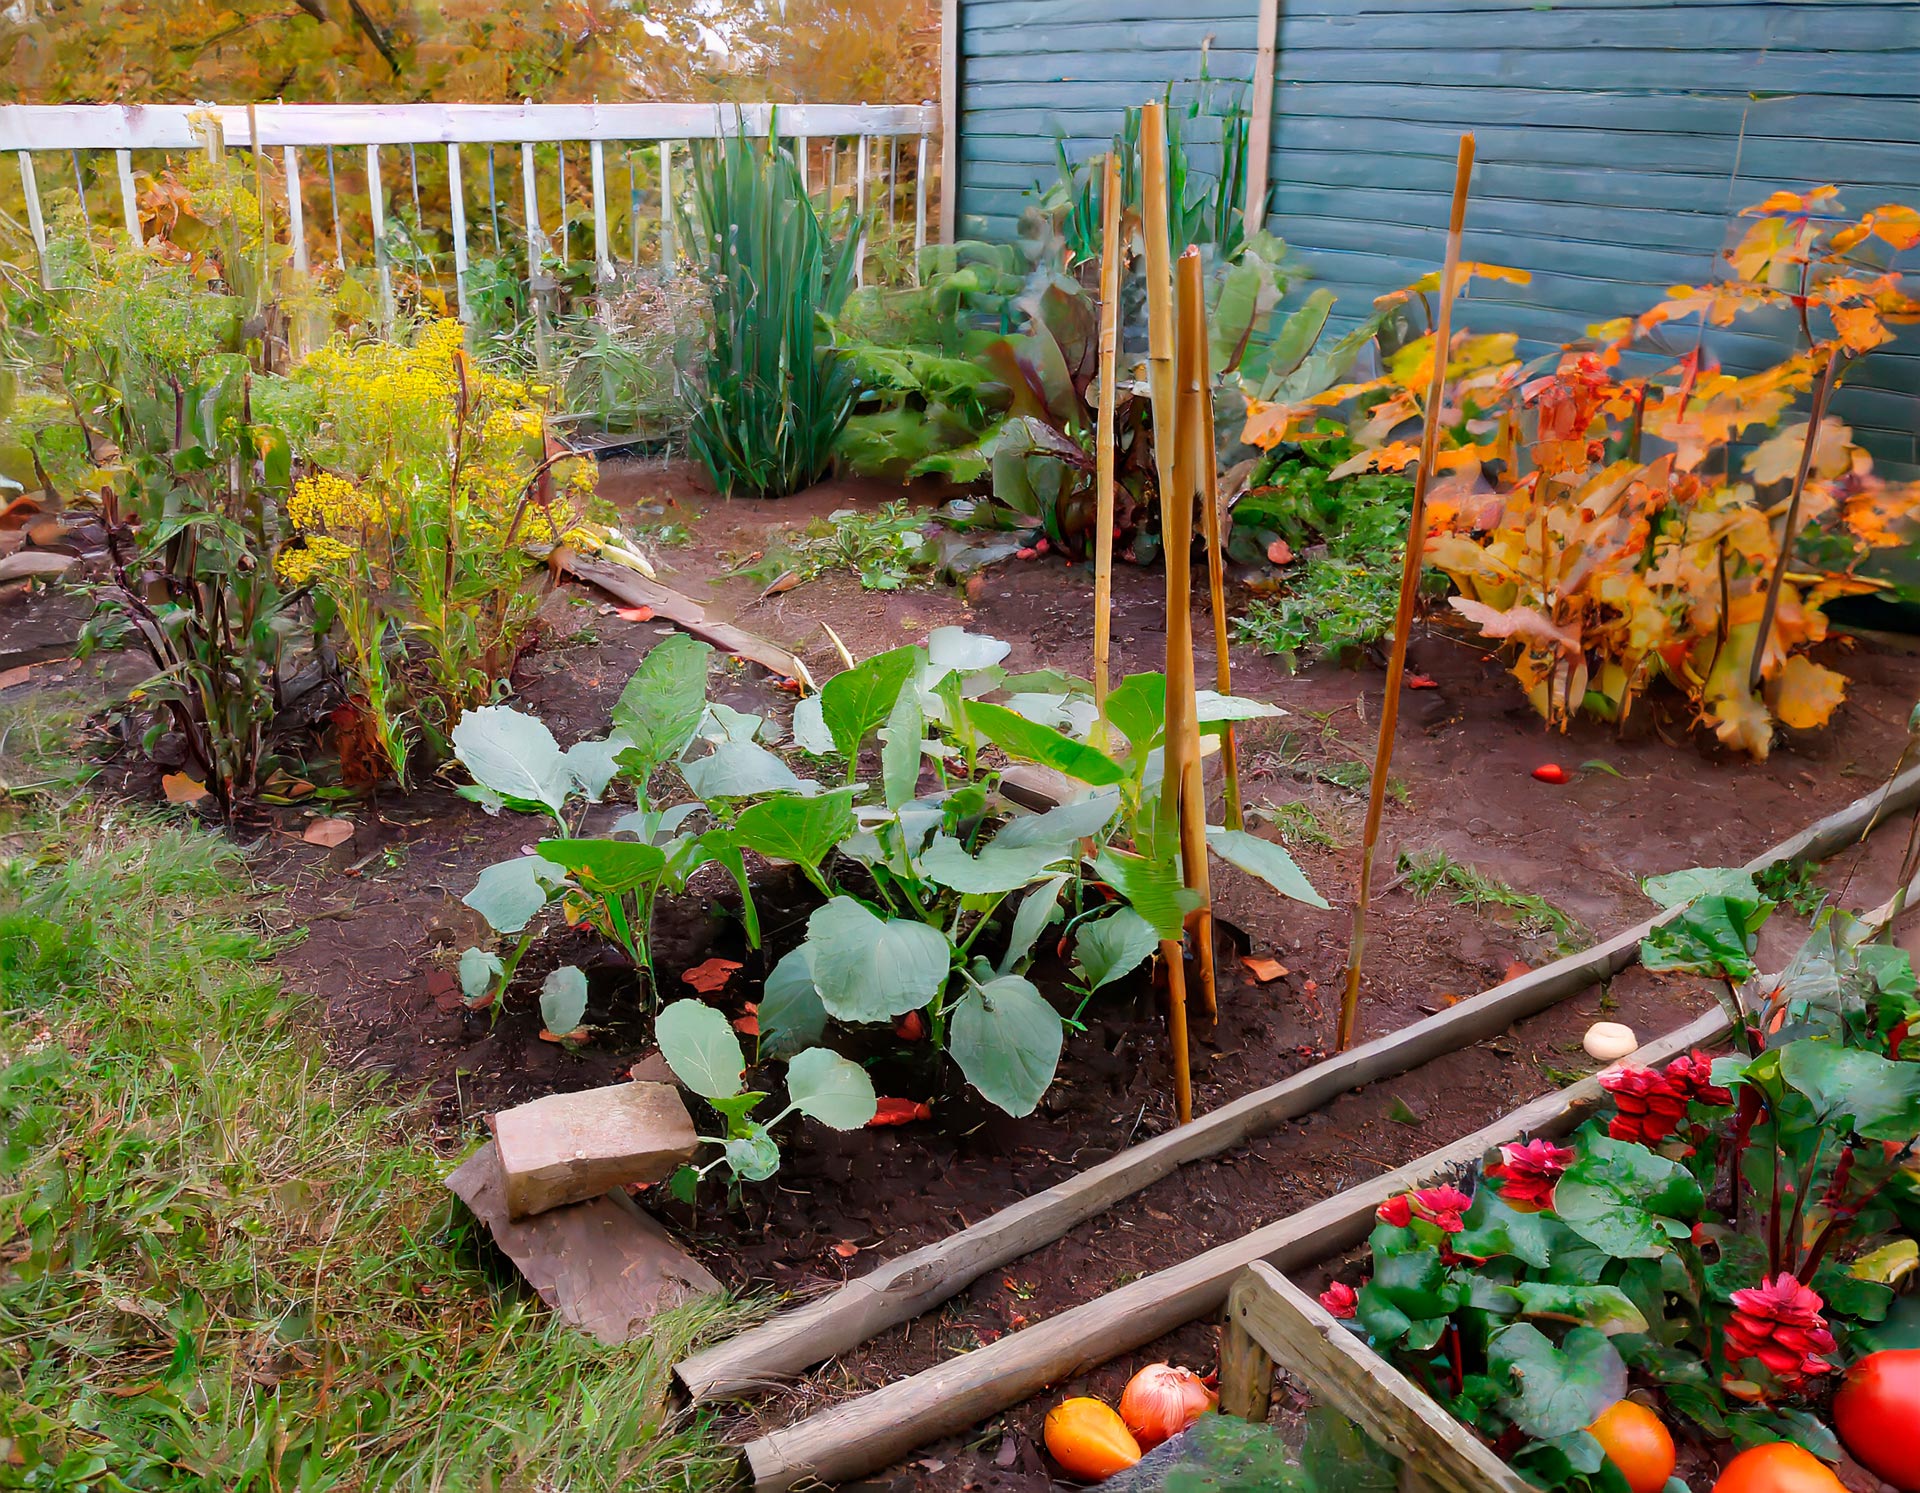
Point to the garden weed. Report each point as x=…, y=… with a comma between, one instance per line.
x=1794, y=884
x=1434, y=871
x=232, y=1266
x=885, y=548
x=1299, y=824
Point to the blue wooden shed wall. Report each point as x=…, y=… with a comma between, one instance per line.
x=1617, y=138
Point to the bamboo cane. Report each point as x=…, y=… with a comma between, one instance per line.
x=1159, y=274
x=1176, y=522
x=1409, y=588
x=1104, y=436
x=1213, y=524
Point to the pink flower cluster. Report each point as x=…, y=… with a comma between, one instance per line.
x=1650, y=1104
x=1779, y=1323
x=1528, y=1171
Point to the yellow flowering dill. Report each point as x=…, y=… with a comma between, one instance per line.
x=325, y=501
x=320, y=558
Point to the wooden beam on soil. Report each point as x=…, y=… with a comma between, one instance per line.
x=683, y=612
x=877, y=1429
x=921, y=1279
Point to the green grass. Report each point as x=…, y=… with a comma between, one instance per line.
x=225, y=1264
x=1299, y=824
x=1434, y=871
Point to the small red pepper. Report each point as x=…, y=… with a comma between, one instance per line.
x=898, y=1112
x=1550, y=772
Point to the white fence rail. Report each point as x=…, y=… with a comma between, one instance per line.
x=41, y=134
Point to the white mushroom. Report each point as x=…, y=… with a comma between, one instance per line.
x=1609, y=1041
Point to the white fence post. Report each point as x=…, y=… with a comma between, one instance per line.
x=602, y=258
x=129, y=198
x=860, y=208
x=296, y=210
x=919, y=209
x=377, y=206
x=667, y=246
x=457, y=207
x=36, y=225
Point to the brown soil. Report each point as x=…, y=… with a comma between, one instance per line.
x=384, y=923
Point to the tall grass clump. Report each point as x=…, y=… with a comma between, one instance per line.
x=777, y=393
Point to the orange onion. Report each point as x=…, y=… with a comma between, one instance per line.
x=1162, y=1401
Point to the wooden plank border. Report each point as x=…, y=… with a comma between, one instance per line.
x=921, y=1279
x=1283, y=1324
x=864, y=1434
x=1260, y=120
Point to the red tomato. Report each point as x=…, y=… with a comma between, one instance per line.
x=1877, y=1412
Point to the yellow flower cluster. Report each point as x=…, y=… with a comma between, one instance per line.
x=324, y=501
x=319, y=557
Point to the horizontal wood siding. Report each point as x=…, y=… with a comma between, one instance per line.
x=1617, y=139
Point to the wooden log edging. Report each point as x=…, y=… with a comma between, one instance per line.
x=879, y=1428
x=921, y=1279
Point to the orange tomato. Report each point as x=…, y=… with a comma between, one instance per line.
x=1778, y=1467
x=1876, y=1411
x=1089, y=1440
x=1636, y=1441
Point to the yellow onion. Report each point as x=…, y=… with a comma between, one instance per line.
x=1162, y=1401
x=1088, y=1441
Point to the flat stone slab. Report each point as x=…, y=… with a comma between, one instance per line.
x=603, y=1265
x=567, y=1148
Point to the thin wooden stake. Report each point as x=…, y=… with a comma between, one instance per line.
x=1160, y=380
x=1103, y=434
x=1212, y=525
x=1409, y=591
x=1822, y=392
x=1176, y=523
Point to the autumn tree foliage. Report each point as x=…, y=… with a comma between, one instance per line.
x=474, y=51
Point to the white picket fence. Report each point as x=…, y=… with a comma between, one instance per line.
x=62, y=136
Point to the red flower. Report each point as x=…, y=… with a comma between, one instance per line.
x=1396, y=1211
x=1691, y=1074
x=1442, y=1207
x=1779, y=1323
x=1649, y=1107
x=1341, y=1301
x=1529, y=1172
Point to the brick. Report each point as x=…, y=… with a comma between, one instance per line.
x=569, y=1147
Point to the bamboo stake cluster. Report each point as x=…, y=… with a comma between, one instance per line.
x=1179, y=383
x=1409, y=590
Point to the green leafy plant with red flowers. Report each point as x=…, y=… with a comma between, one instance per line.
x=1721, y=1241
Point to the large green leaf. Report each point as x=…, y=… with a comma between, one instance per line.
x=513, y=754
x=752, y=1153
x=855, y=701
x=793, y=828
x=1112, y=946
x=509, y=893
x=868, y=968
x=1152, y=888
x=791, y=1016
x=1029, y=741
x=900, y=751
x=611, y=868
x=1295, y=337
x=739, y=769
x=993, y=871
x=1712, y=936
x=700, y=1047
x=1006, y=1039
x=1878, y=1096
x=1138, y=706
x=1678, y=887
x=563, y=1000
x=1606, y=1308
x=1037, y=909
x=826, y=1087
x=1266, y=860
x=1064, y=826
x=478, y=970
x=661, y=707
x=592, y=764
x=1555, y=1391
x=1616, y=1194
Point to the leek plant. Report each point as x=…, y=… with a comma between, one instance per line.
x=777, y=393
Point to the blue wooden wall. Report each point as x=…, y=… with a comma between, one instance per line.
x=1617, y=138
